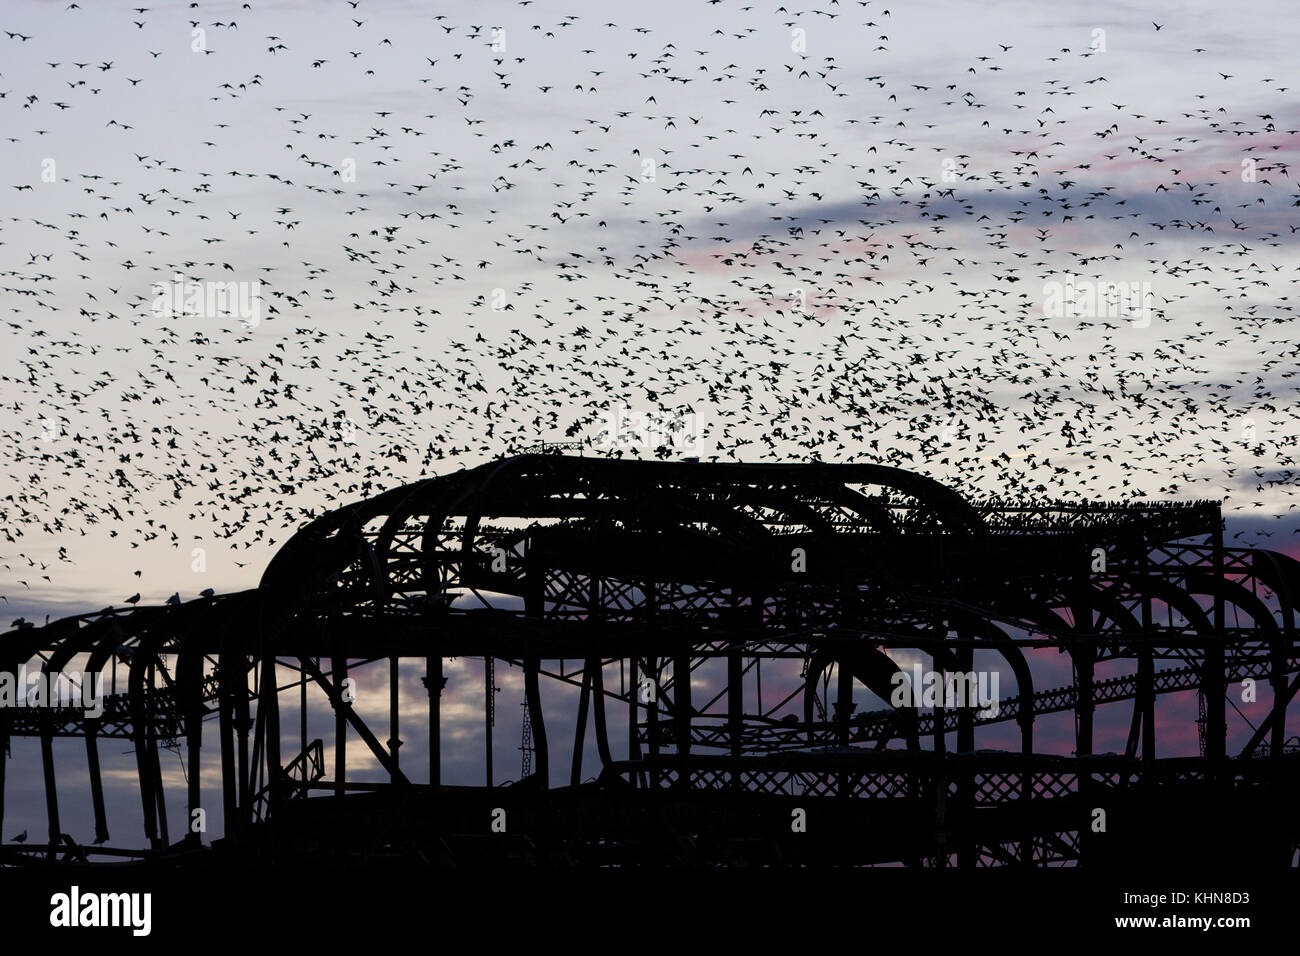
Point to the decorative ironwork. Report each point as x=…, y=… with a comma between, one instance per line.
x=735, y=623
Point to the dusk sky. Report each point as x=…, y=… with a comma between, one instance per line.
x=827, y=232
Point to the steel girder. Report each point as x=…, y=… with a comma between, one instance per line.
x=569, y=567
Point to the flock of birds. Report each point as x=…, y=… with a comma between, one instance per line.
x=471, y=238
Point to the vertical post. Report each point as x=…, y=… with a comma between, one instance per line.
x=190, y=682
x=633, y=744
x=580, y=729
x=1083, y=666
x=942, y=774
x=153, y=759
x=226, y=729
x=939, y=664
x=4, y=750
x=535, y=608
x=51, y=791
x=1146, y=668
x=1278, y=677
x=843, y=701
x=394, y=741
x=338, y=674
x=966, y=744
x=96, y=780
x=1216, y=727
x=489, y=704
x=598, y=711
x=1084, y=655
x=242, y=724
x=652, y=721
x=735, y=706
x=533, y=700
x=302, y=721
x=966, y=713
x=141, y=719
x=843, y=711
x=155, y=768
x=433, y=670
x=270, y=701
x=682, y=714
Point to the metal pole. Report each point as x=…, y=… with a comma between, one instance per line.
x=339, y=673
x=302, y=724
x=433, y=667
x=488, y=702
x=394, y=741
x=1216, y=729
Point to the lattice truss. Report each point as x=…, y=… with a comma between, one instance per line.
x=748, y=625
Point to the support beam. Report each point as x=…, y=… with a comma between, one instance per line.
x=735, y=708
x=1215, y=688
x=580, y=726
x=394, y=709
x=231, y=778
x=489, y=713
x=533, y=701
x=339, y=670
x=268, y=702
x=682, y=711
x=433, y=680
x=341, y=706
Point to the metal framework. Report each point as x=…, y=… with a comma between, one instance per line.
x=742, y=607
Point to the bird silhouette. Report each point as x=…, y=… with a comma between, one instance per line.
x=791, y=257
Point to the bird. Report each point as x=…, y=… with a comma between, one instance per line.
x=821, y=264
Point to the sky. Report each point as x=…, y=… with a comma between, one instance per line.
x=825, y=231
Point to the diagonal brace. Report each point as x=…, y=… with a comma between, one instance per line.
x=342, y=706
